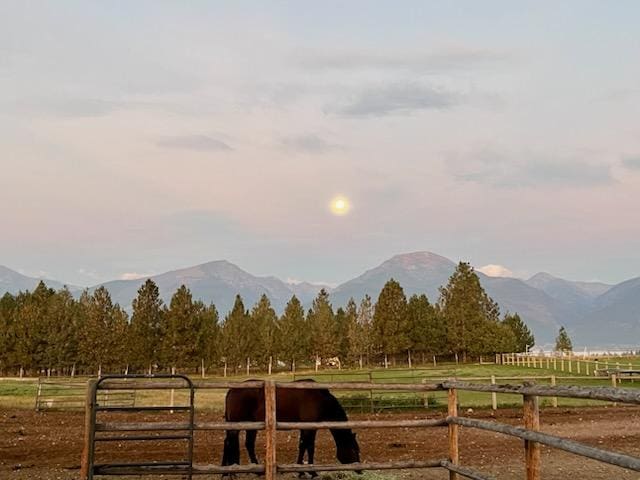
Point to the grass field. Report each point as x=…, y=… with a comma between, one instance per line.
x=16, y=393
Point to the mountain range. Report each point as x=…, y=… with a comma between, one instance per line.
x=595, y=314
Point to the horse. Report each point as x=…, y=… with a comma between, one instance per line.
x=292, y=405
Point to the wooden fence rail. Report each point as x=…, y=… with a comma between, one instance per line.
x=96, y=432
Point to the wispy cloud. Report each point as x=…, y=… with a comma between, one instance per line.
x=526, y=169
x=426, y=62
x=632, y=163
x=199, y=143
x=309, y=143
x=397, y=99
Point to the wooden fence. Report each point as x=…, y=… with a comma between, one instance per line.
x=94, y=431
x=572, y=364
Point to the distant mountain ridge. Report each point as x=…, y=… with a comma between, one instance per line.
x=594, y=313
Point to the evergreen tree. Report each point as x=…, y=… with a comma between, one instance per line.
x=469, y=313
x=62, y=341
x=180, y=341
x=427, y=332
x=361, y=342
x=7, y=334
x=563, y=342
x=292, y=334
x=390, y=321
x=321, y=323
x=342, y=326
x=31, y=328
x=264, y=324
x=147, y=326
x=237, y=335
x=523, y=338
x=102, y=332
x=209, y=334
x=350, y=332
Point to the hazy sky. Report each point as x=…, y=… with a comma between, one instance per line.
x=138, y=137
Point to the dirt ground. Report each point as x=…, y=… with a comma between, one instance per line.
x=47, y=446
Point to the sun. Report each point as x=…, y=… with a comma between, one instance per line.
x=339, y=205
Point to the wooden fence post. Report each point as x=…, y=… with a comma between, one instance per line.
x=554, y=400
x=570, y=371
x=614, y=384
x=532, y=449
x=454, y=455
x=547, y=363
x=586, y=367
x=578, y=366
x=86, y=470
x=270, y=429
x=494, y=396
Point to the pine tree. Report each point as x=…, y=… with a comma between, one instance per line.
x=7, y=334
x=563, y=342
x=62, y=344
x=292, y=334
x=523, y=338
x=264, y=320
x=390, y=321
x=236, y=335
x=361, y=342
x=102, y=333
x=469, y=313
x=209, y=335
x=321, y=323
x=180, y=341
x=147, y=324
x=427, y=332
x=32, y=328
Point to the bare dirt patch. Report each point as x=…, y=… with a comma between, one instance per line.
x=47, y=446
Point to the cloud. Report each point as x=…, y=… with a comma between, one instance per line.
x=309, y=144
x=134, y=276
x=493, y=270
x=527, y=169
x=425, y=62
x=397, y=99
x=632, y=163
x=199, y=143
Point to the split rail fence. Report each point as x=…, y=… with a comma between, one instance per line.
x=96, y=432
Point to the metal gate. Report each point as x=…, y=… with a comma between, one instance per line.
x=96, y=432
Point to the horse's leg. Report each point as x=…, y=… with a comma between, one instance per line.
x=302, y=446
x=231, y=453
x=250, y=443
x=311, y=447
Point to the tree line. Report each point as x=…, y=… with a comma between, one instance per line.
x=48, y=330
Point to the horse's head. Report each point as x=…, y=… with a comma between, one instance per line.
x=348, y=450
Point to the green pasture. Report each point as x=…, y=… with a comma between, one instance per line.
x=16, y=393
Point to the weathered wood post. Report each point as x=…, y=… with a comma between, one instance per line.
x=86, y=470
x=547, y=363
x=494, y=396
x=586, y=367
x=270, y=429
x=454, y=455
x=532, y=422
x=578, y=366
x=570, y=371
x=614, y=384
x=554, y=400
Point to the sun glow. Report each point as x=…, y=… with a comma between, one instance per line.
x=340, y=206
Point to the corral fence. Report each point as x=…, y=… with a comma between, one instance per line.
x=60, y=394
x=96, y=432
x=605, y=367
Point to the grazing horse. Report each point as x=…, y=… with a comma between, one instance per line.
x=292, y=405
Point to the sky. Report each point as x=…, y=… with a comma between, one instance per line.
x=140, y=137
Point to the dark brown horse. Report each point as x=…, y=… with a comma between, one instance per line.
x=292, y=405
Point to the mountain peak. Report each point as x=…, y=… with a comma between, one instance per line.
x=418, y=259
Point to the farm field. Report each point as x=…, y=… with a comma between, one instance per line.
x=47, y=445
x=16, y=393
